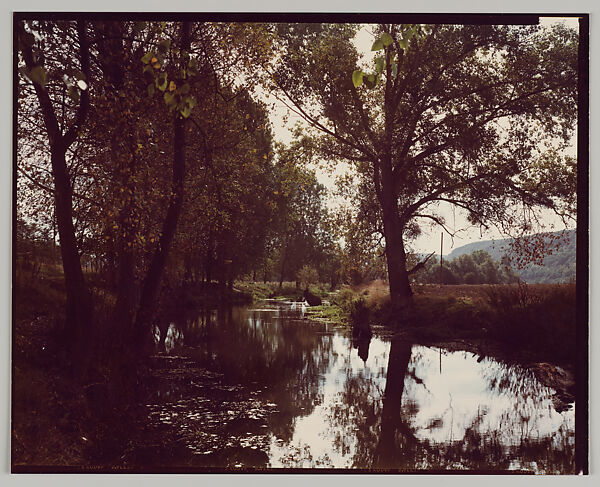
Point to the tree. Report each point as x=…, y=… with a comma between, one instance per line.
x=231, y=204
x=475, y=268
x=302, y=235
x=46, y=69
x=307, y=275
x=180, y=104
x=456, y=114
x=126, y=167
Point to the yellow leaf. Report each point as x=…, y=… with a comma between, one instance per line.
x=172, y=86
x=156, y=66
x=153, y=60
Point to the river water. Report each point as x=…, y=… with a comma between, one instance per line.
x=265, y=387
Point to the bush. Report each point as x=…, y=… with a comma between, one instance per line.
x=359, y=312
x=343, y=298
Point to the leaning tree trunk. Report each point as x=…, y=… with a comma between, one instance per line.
x=151, y=286
x=79, y=305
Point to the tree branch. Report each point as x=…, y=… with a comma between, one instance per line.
x=420, y=265
x=299, y=110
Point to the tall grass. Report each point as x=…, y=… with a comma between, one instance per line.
x=534, y=321
x=540, y=319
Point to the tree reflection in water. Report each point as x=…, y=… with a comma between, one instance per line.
x=408, y=427
x=270, y=356
x=315, y=397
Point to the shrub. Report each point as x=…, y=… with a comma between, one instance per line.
x=359, y=312
x=343, y=298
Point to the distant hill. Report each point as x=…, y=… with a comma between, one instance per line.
x=558, y=266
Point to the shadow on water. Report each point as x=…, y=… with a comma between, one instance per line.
x=264, y=387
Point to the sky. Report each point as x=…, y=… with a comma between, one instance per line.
x=430, y=239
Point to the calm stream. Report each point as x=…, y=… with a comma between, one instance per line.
x=265, y=387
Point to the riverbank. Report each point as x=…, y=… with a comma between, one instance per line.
x=532, y=325
x=56, y=420
x=524, y=323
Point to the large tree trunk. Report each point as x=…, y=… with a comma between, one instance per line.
x=151, y=286
x=400, y=291
x=79, y=306
x=122, y=135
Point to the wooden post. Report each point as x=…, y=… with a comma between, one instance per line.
x=441, y=259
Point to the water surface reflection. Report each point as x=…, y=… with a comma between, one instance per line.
x=266, y=387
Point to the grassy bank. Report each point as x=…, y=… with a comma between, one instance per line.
x=272, y=290
x=529, y=322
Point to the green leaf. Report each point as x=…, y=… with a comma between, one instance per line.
x=395, y=69
x=151, y=90
x=379, y=64
x=147, y=57
x=386, y=39
x=163, y=46
x=186, y=111
x=38, y=75
x=357, y=78
x=370, y=81
x=161, y=82
x=377, y=45
x=403, y=43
